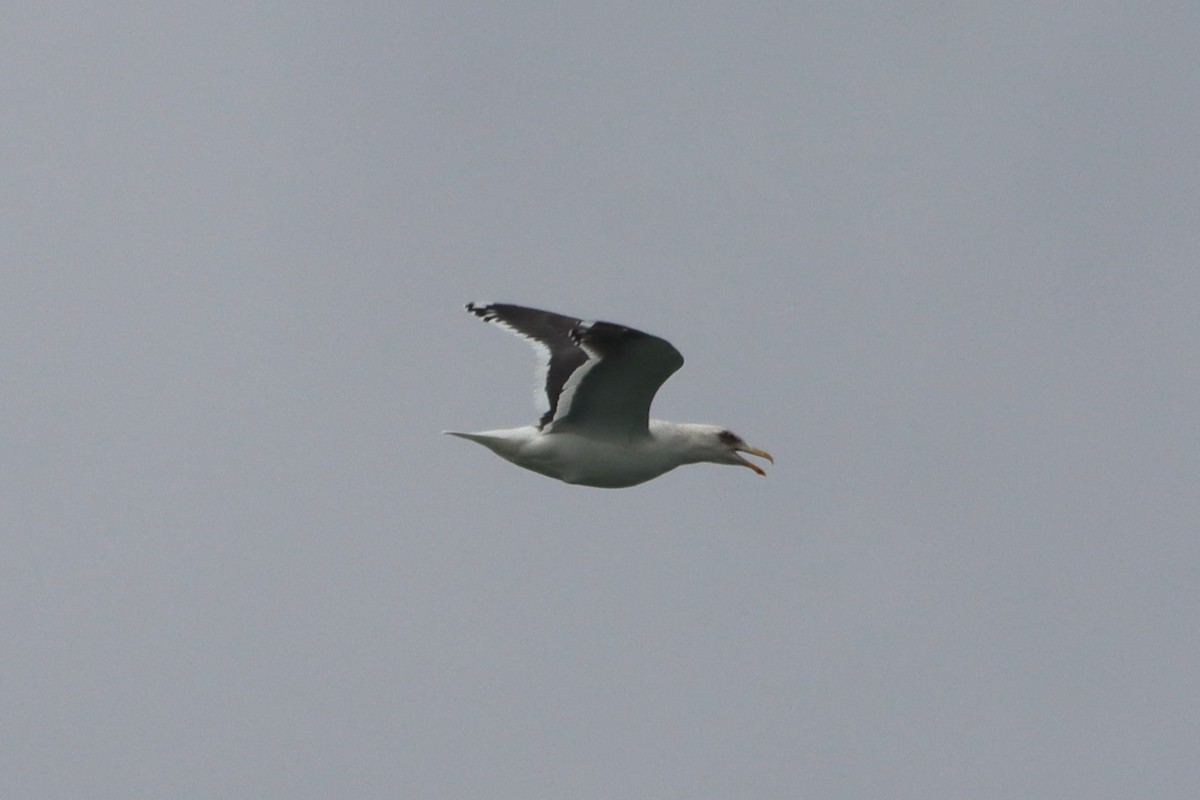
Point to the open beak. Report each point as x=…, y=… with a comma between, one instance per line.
x=754, y=451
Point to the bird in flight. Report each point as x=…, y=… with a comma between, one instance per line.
x=595, y=383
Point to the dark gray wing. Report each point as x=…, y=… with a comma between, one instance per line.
x=611, y=393
x=593, y=377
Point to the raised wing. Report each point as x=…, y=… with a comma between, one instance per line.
x=592, y=376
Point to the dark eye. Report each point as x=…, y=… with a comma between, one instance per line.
x=728, y=437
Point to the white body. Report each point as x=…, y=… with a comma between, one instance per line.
x=590, y=461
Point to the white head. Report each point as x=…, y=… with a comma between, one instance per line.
x=719, y=445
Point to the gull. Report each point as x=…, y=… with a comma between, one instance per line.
x=595, y=383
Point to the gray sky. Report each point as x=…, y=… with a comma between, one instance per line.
x=942, y=262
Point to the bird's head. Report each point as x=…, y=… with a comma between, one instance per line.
x=722, y=446
x=731, y=444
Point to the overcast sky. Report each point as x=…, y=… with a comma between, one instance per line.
x=943, y=262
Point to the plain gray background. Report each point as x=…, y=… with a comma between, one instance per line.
x=943, y=260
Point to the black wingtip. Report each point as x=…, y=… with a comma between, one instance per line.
x=481, y=310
